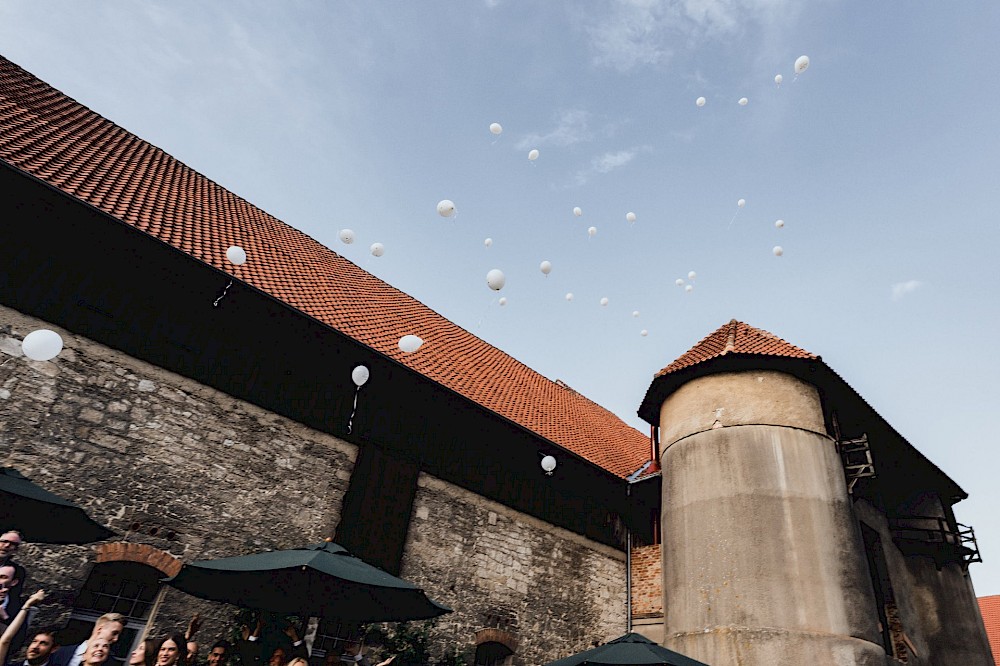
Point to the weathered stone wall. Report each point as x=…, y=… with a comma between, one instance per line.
x=162, y=460
x=556, y=592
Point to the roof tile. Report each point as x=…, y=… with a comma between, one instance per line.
x=57, y=140
x=990, y=608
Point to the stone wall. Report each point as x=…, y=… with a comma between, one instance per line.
x=164, y=461
x=556, y=592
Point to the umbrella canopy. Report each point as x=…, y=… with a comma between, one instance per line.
x=42, y=517
x=629, y=650
x=323, y=580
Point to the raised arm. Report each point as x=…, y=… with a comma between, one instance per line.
x=16, y=622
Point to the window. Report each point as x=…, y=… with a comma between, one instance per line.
x=129, y=588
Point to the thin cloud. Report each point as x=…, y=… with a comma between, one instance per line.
x=635, y=33
x=606, y=163
x=901, y=289
x=572, y=127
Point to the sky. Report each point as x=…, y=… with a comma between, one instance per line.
x=882, y=159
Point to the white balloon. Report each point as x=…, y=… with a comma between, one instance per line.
x=502, y=301
x=237, y=255
x=679, y=282
x=496, y=128
x=688, y=288
x=630, y=217
x=359, y=375
x=778, y=79
x=779, y=223
x=495, y=279
x=578, y=211
x=635, y=313
x=801, y=64
x=741, y=203
x=533, y=154
x=409, y=344
x=743, y=101
x=778, y=250
x=446, y=208
x=604, y=301
x=346, y=236
x=488, y=242
x=700, y=101
x=569, y=296
x=643, y=332
x=592, y=232
x=692, y=275
x=377, y=249
x=42, y=345
x=548, y=464
x=545, y=267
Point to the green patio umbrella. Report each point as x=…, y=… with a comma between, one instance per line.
x=322, y=580
x=629, y=650
x=41, y=516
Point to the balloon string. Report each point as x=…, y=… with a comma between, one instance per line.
x=5, y=362
x=350, y=419
x=215, y=304
x=482, y=317
x=733, y=220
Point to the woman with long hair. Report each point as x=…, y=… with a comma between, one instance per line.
x=144, y=653
x=16, y=623
x=171, y=650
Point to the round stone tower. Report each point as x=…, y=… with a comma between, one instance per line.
x=762, y=556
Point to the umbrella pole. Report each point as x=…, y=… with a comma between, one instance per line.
x=628, y=580
x=162, y=592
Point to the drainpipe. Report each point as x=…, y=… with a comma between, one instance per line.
x=628, y=579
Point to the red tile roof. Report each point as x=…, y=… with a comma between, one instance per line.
x=54, y=138
x=736, y=338
x=990, y=608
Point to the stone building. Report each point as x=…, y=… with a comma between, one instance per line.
x=798, y=526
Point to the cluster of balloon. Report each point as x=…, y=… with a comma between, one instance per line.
x=545, y=267
x=533, y=154
x=236, y=256
x=630, y=217
x=604, y=301
x=743, y=101
x=578, y=211
x=496, y=129
x=346, y=236
x=42, y=345
x=778, y=79
x=548, y=465
x=495, y=279
x=359, y=375
x=700, y=101
x=778, y=250
x=502, y=301
x=679, y=282
x=740, y=205
x=488, y=242
x=410, y=343
x=446, y=208
x=801, y=64
x=779, y=224
x=643, y=332
x=377, y=249
x=569, y=297
x=635, y=313
x=592, y=231
x=692, y=275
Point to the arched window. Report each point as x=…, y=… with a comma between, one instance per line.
x=128, y=588
x=492, y=653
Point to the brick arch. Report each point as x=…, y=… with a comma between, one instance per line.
x=139, y=552
x=500, y=636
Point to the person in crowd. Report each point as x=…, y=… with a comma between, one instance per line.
x=144, y=653
x=41, y=647
x=298, y=661
x=10, y=542
x=219, y=654
x=16, y=623
x=108, y=627
x=273, y=650
x=171, y=650
x=97, y=652
x=191, y=655
x=11, y=581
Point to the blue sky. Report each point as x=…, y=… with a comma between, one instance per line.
x=882, y=159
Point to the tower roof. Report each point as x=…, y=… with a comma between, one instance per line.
x=55, y=139
x=736, y=338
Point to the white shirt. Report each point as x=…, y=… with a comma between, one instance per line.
x=77, y=657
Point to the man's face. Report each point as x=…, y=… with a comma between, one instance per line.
x=7, y=574
x=40, y=648
x=9, y=543
x=192, y=653
x=109, y=631
x=97, y=651
x=217, y=657
x=277, y=658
